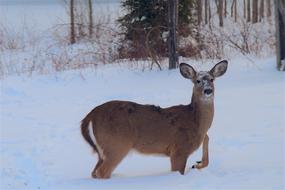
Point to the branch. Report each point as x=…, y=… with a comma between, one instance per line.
x=153, y=56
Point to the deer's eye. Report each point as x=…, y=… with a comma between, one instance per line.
x=198, y=81
x=212, y=80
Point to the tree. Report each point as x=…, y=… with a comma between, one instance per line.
x=206, y=11
x=172, y=41
x=220, y=12
x=248, y=11
x=254, y=11
x=244, y=9
x=81, y=19
x=210, y=13
x=280, y=33
x=144, y=16
x=90, y=15
x=72, y=28
x=199, y=11
x=234, y=10
x=261, y=10
x=225, y=9
x=268, y=2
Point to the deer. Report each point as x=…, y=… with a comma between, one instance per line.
x=116, y=127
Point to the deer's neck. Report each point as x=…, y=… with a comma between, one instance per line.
x=203, y=111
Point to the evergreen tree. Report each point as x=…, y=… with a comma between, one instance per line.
x=143, y=16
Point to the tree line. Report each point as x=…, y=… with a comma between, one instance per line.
x=81, y=17
x=253, y=10
x=144, y=28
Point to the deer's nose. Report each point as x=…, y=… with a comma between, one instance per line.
x=208, y=91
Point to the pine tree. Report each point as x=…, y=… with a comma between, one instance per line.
x=144, y=16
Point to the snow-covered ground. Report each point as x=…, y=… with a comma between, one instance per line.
x=41, y=146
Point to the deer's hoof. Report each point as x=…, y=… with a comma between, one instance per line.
x=196, y=165
x=200, y=165
x=94, y=175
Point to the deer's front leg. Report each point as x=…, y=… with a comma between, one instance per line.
x=205, y=158
x=178, y=161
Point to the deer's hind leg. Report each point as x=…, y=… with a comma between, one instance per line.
x=112, y=157
x=205, y=157
x=99, y=162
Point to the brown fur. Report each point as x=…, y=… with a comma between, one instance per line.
x=119, y=126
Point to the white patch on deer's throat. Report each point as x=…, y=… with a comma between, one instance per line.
x=207, y=99
x=91, y=134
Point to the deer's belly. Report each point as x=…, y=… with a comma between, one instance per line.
x=152, y=147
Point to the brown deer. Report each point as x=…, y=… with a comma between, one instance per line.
x=116, y=127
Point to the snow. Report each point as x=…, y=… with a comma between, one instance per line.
x=41, y=146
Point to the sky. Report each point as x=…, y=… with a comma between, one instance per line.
x=13, y=2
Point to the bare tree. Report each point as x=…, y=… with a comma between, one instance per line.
x=225, y=9
x=280, y=33
x=234, y=10
x=268, y=2
x=248, y=11
x=210, y=13
x=261, y=10
x=220, y=11
x=172, y=40
x=206, y=11
x=90, y=8
x=254, y=11
x=81, y=18
x=72, y=28
x=199, y=11
x=244, y=9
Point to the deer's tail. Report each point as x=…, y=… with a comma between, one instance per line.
x=85, y=124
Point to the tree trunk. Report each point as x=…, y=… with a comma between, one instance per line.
x=220, y=11
x=199, y=11
x=210, y=13
x=248, y=11
x=268, y=8
x=244, y=9
x=280, y=33
x=90, y=7
x=72, y=28
x=261, y=10
x=235, y=10
x=225, y=9
x=172, y=40
x=206, y=11
x=232, y=9
x=254, y=11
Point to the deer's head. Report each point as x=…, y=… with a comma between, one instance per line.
x=203, y=80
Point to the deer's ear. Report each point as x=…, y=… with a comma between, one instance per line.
x=187, y=71
x=219, y=69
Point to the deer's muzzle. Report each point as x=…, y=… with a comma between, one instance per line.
x=208, y=91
